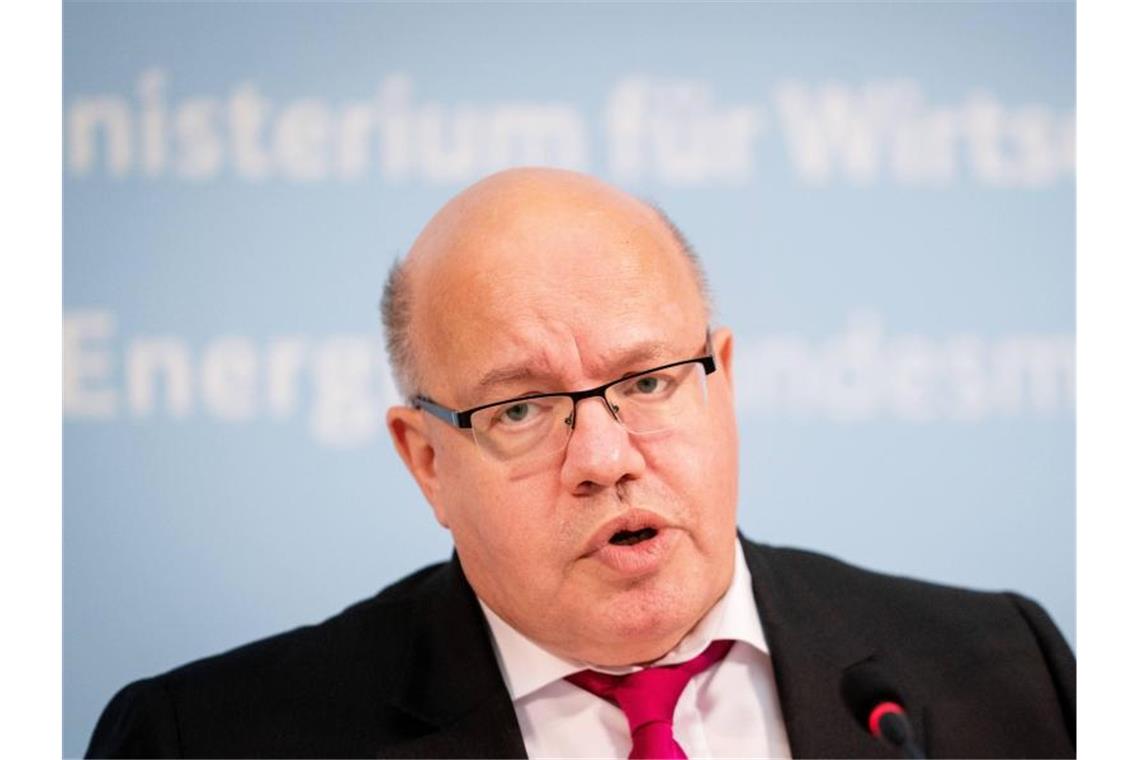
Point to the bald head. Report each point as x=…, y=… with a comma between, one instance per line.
x=524, y=229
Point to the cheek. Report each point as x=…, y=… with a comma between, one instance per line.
x=497, y=521
x=700, y=470
x=719, y=440
x=720, y=461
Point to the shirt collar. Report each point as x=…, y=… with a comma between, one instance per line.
x=527, y=667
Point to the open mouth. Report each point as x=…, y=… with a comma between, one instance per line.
x=631, y=537
x=634, y=544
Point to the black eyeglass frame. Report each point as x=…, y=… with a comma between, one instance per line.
x=462, y=419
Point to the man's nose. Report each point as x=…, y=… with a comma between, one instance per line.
x=600, y=453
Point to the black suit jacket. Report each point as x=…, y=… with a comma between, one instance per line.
x=412, y=673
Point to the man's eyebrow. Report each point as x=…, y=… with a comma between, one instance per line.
x=508, y=374
x=638, y=356
x=625, y=360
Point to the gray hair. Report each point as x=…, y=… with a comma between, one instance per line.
x=396, y=317
x=396, y=310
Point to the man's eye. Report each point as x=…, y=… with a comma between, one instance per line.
x=517, y=412
x=649, y=384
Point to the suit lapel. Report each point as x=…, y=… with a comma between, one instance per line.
x=810, y=648
x=490, y=730
x=450, y=681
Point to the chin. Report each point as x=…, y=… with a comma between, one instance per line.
x=643, y=623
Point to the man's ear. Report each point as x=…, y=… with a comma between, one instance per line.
x=722, y=344
x=415, y=447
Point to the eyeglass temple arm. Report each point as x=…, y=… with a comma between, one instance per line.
x=450, y=416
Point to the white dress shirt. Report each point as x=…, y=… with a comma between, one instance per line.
x=729, y=710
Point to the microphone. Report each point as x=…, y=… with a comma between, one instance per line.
x=878, y=707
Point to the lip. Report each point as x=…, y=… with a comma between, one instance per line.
x=636, y=559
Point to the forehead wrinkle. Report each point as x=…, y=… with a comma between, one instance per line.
x=628, y=358
x=615, y=361
x=520, y=362
x=511, y=373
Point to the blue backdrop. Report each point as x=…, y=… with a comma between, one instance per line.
x=883, y=195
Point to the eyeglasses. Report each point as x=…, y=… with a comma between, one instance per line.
x=651, y=401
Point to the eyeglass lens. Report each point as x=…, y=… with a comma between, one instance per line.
x=647, y=403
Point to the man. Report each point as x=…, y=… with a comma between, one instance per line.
x=570, y=420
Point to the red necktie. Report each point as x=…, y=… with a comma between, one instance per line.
x=648, y=698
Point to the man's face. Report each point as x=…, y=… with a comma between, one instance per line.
x=563, y=284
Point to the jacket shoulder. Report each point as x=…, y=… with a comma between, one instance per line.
x=291, y=693
x=836, y=578
x=886, y=603
x=371, y=630
x=956, y=648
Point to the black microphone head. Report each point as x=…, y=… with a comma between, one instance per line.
x=864, y=687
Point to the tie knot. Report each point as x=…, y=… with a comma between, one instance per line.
x=648, y=698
